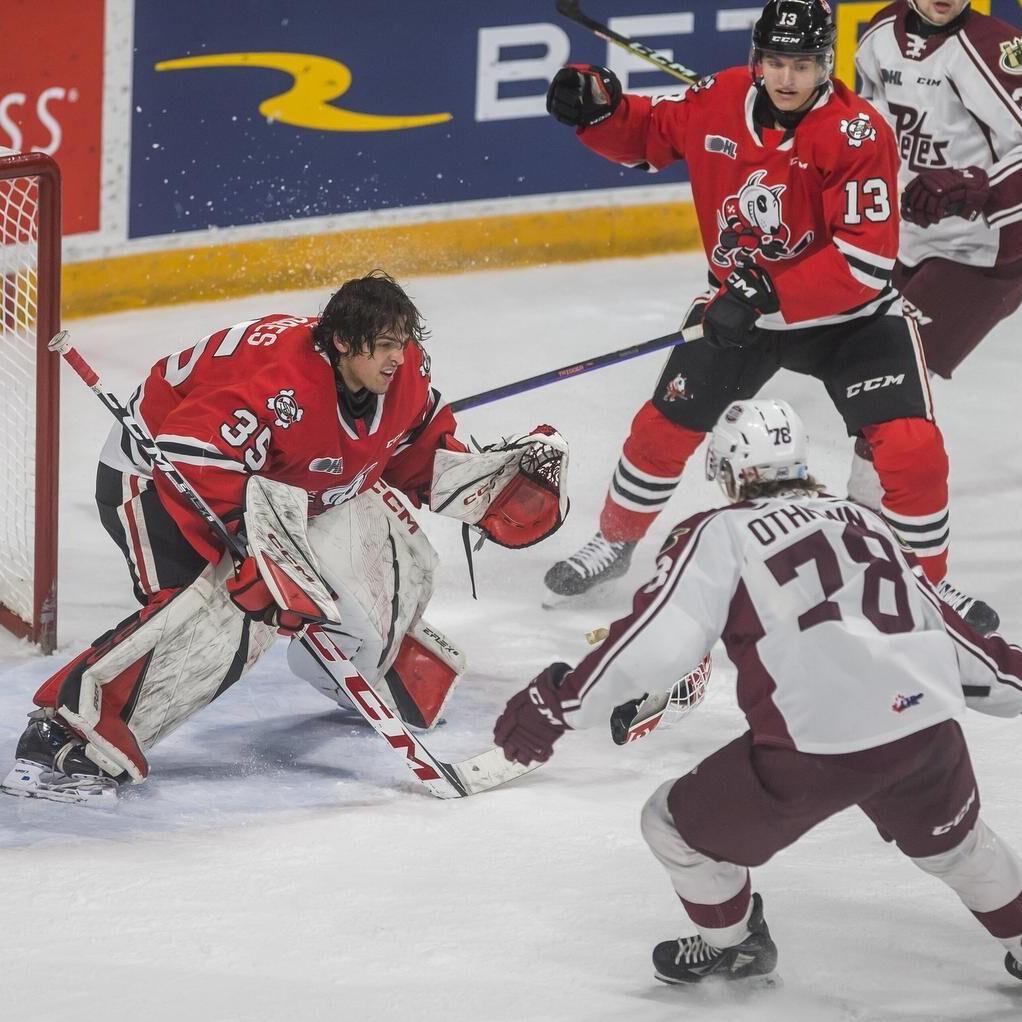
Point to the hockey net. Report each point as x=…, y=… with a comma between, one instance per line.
x=29, y=396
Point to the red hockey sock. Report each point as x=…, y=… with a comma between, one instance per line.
x=912, y=465
x=647, y=474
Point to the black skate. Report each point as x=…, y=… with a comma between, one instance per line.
x=691, y=959
x=50, y=763
x=1013, y=965
x=597, y=562
x=975, y=612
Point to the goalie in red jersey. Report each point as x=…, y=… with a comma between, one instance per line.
x=340, y=409
x=794, y=181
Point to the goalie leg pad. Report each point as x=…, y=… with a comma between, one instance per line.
x=145, y=679
x=372, y=553
x=423, y=675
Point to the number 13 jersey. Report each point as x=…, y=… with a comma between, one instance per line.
x=815, y=206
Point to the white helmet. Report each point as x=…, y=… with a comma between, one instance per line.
x=756, y=441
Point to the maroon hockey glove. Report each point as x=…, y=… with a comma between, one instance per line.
x=532, y=721
x=730, y=319
x=248, y=591
x=937, y=194
x=583, y=94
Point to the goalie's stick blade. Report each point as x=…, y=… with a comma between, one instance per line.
x=444, y=780
x=487, y=770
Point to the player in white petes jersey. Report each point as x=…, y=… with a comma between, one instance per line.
x=949, y=81
x=852, y=674
x=794, y=180
x=340, y=407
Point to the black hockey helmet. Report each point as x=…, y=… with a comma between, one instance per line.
x=795, y=28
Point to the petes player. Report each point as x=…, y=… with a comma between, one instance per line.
x=794, y=180
x=851, y=674
x=340, y=407
x=949, y=81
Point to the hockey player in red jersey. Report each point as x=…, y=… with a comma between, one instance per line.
x=794, y=181
x=852, y=675
x=340, y=408
x=947, y=80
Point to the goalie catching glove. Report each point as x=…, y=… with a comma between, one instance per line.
x=513, y=491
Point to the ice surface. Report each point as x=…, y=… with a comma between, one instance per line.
x=282, y=864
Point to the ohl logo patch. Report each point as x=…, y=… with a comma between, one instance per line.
x=307, y=104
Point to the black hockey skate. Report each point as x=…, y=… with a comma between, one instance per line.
x=597, y=562
x=691, y=959
x=1013, y=965
x=975, y=612
x=50, y=763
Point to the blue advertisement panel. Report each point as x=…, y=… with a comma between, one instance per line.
x=260, y=111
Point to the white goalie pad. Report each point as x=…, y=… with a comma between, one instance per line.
x=514, y=491
x=177, y=661
x=375, y=557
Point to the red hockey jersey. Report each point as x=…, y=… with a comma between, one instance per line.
x=815, y=206
x=257, y=398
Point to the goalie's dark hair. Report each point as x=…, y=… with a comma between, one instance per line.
x=362, y=309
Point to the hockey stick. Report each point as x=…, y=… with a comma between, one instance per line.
x=572, y=10
x=578, y=368
x=445, y=780
x=61, y=344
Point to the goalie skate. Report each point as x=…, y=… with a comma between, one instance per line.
x=51, y=764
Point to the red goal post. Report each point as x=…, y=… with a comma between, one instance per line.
x=29, y=394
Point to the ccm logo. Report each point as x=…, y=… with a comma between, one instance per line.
x=875, y=384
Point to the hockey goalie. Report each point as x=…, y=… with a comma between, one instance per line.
x=318, y=438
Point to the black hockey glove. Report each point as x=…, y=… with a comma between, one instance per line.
x=937, y=194
x=532, y=721
x=730, y=319
x=583, y=94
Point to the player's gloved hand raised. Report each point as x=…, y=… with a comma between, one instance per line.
x=248, y=591
x=937, y=194
x=730, y=319
x=532, y=720
x=583, y=94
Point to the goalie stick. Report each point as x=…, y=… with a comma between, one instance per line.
x=572, y=10
x=445, y=780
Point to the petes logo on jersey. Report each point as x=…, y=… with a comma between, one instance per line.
x=1011, y=56
x=752, y=223
x=859, y=130
x=285, y=408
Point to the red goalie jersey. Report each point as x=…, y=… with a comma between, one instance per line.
x=815, y=206
x=258, y=398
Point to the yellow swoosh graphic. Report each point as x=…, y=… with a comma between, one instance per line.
x=317, y=80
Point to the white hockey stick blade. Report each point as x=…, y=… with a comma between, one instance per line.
x=444, y=780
